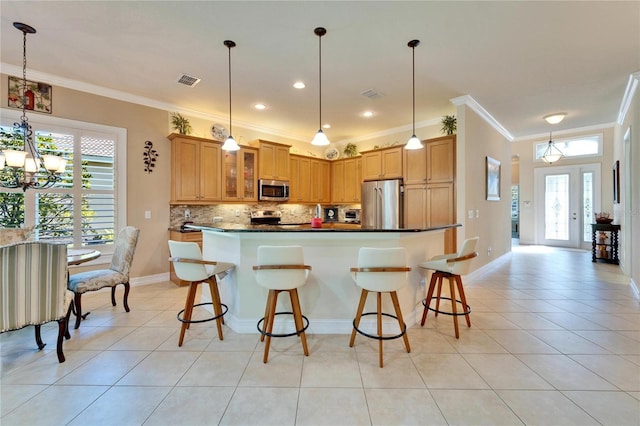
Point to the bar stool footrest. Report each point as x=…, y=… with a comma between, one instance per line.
x=295, y=333
x=371, y=336
x=467, y=310
x=225, y=309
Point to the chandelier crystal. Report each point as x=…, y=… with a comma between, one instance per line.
x=27, y=168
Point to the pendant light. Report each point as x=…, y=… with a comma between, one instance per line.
x=230, y=144
x=552, y=153
x=27, y=168
x=320, y=139
x=414, y=142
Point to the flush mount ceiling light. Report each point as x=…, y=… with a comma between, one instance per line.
x=260, y=106
x=299, y=85
x=320, y=138
x=552, y=153
x=230, y=144
x=414, y=142
x=367, y=114
x=27, y=168
x=555, y=118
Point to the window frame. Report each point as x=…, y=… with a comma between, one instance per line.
x=46, y=124
x=599, y=136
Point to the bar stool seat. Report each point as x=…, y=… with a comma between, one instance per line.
x=281, y=268
x=450, y=266
x=380, y=270
x=189, y=266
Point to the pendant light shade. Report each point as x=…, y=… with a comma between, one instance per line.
x=230, y=144
x=320, y=139
x=552, y=153
x=414, y=142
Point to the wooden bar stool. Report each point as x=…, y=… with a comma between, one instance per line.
x=450, y=266
x=282, y=268
x=189, y=266
x=380, y=270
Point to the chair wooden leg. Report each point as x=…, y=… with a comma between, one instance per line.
x=363, y=299
x=272, y=312
x=265, y=323
x=454, y=311
x=77, y=303
x=463, y=299
x=432, y=285
x=396, y=307
x=188, y=309
x=297, y=318
x=113, y=296
x=62, y=329
x=39, y=341
x=67, y=335
x=125, y=299
x=379, y=321
x=217, y=308
x=439, y=293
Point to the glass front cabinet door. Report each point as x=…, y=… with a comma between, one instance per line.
x=239, y=175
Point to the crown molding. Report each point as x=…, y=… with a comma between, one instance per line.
x=139, y=100
x=629, y=92
x=586, y=129
x=483, y=113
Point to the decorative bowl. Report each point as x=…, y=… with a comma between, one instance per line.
x=603, y=218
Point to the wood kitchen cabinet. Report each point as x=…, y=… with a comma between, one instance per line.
x=429, y=191
x=273, y=160
x=385, y=163
x=310, y=180
x=300, y=179
x=194, y=237
x=239, y=176
x=346, y=179
x=441, y=159
x=195, y=170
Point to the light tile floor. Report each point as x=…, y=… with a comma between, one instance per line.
x=555, y=339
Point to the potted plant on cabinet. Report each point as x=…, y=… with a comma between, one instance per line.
x=449, y=124
x=180, y=123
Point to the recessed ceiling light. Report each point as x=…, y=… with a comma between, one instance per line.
x=326, y=126
x=367, y=114
x=299, y=85
x=260, y=106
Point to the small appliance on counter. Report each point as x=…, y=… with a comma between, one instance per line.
x=352, y=216
x=266, y=217
x=331, y=214
x=316, y=221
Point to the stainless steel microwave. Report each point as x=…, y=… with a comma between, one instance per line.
x=273, y=190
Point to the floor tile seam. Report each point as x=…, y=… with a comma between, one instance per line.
x=516, y=358
x=578, y=405
x=595, y=372
x=108, y=388
x=47, y=386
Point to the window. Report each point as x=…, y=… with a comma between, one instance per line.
x=88, y=206
x=583, y=146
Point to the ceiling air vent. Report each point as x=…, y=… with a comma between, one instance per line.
x=372, y=94
x=188, y=80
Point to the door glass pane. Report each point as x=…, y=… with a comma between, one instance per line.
x=556, y=207
x=587, y=205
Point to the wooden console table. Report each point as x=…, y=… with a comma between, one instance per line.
x=604, y=242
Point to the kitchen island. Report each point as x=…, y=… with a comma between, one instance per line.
x=330, y=297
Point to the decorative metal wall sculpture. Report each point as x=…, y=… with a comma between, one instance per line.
x=150, y=156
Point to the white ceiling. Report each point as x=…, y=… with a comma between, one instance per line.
x=520, y=60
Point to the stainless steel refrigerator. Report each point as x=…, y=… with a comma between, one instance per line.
x=382, y=204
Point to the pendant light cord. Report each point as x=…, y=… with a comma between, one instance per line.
x=413, y=85
x=229, y=45
x=320, y=80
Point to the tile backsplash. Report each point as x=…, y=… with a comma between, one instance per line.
x=240, y=213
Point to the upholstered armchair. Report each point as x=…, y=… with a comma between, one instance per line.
x=34, y=288
x=118, y=273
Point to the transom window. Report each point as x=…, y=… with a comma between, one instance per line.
x=583, y=146
x=87, y=206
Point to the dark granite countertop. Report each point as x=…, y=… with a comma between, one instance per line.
x=326, y=227
x=183, y=230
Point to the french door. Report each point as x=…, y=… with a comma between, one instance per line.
x=566, y=198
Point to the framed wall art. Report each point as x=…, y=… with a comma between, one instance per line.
x=37, y=96
x=616, y=182
x=493, y=179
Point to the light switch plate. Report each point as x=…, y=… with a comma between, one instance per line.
x=147, y=214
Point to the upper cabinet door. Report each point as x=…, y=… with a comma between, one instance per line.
x=441, y=159
x=195, y=170
x=415, y=166
x=274, y=160
x=385, y=163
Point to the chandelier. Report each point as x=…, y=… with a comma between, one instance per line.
x=26, y=168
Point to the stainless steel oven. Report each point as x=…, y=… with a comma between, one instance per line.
x=273, y=190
